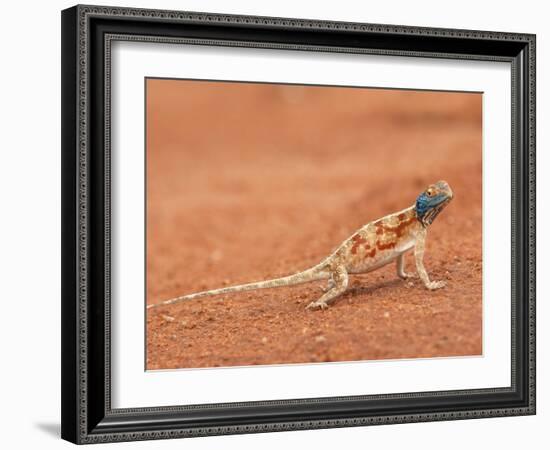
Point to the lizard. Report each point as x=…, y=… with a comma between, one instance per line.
x=372, y=246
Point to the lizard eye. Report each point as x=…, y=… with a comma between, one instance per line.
x=429, y=192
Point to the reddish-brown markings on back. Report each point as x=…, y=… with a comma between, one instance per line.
x=399, y=229
x=392, y=233
x=385, y=245
x=387, y=235
x=357, y=241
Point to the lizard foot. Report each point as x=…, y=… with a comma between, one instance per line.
x=432, y=285
x=406, y=275
x=317, y=304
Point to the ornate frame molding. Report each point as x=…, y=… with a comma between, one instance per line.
x=83, y=421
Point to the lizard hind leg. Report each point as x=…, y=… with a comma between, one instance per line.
x=329, y=286
x=339, y=283
x=400, y=268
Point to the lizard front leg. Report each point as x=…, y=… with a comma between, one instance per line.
x=400, y=268
x=340, y=279
x=419, y=258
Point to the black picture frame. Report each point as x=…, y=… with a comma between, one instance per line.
x=87, y=415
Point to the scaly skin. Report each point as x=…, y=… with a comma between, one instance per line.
x=372, y=246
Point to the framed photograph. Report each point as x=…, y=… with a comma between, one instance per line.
x=279, y=224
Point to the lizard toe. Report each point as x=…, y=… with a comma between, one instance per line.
x=317, y=305
x=436, y=285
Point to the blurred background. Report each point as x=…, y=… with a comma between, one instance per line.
x=250, y=181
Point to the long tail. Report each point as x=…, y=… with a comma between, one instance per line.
x=315, y=273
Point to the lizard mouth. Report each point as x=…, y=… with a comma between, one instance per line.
x=430, y=215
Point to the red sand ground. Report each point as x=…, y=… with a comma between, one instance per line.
x=249, y=182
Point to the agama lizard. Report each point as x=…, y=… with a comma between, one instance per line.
x=372, y=246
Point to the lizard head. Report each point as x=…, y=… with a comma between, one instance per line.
x=432, y=201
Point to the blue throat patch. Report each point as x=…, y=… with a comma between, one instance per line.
x=421, y=205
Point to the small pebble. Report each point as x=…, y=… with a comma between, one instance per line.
x=386, y=314
x=320, y=339
x=167, y=318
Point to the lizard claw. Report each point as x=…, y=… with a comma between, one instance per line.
x=317, y=304
x=435, y=285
